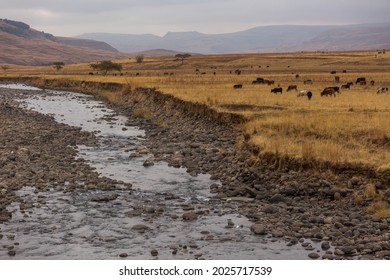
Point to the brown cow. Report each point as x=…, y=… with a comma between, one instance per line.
x=329, y=91
x=292, y=87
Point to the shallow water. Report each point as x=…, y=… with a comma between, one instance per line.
x=69, y=225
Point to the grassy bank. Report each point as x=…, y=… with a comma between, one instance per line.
x=353, y=127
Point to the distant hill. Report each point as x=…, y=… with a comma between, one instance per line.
x=156, y=52
x=278, y=38
x=22, y=45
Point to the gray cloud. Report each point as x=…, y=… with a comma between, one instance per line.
x=208, y=16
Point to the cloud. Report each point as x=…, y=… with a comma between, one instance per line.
x=208, y=16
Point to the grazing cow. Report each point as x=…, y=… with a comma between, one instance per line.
x=337, y=79
x=269, y=82
x=382, y=90
x=344, y=71
x=336, y=89
x=360, y=80
x=277, y=90
x=372, y=83
x=237, y=86
x=333, y=72
x=90, y=73
x=329, y=91
x=346, y=86
x=237, y=72
x=292, y=87
x=307, y=93
x=296, y=76
x=308, y=82
x=258, y=81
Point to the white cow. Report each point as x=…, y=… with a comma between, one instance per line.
x=305, y=92
x=382, y=90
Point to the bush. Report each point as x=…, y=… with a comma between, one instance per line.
x=139, y=58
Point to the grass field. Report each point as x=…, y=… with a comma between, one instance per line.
x=353, y=127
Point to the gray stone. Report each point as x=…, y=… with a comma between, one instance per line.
x=277, y=198
x=258, y=229
x=190, y=216
x=314, y=255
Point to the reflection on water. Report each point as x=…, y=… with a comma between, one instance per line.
x=62, y=224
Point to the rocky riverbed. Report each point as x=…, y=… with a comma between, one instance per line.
x=313, y=214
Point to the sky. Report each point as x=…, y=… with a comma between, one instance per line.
x=75, y=17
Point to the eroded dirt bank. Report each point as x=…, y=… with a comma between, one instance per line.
x=285, y=203
x=290, y=204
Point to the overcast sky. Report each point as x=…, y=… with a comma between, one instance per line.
x=74, y=17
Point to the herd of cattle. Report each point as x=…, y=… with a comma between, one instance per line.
x=328, y=91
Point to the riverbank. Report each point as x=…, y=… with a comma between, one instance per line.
x=294, y=205
x=325, y=207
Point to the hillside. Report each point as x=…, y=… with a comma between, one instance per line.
x=22, y=45
x=280, y=38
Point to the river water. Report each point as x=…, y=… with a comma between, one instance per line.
x=73, y=225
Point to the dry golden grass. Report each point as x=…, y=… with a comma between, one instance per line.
x=353, y=127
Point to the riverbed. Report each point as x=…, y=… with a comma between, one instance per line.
x=156, y=211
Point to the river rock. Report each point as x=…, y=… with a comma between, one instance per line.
x=140, y=228
x=325, y=246
x=104, y=197
x=190, y=216
x=314, y=255
x=258, y=229
x=148, y=163
x=123, y=255
x=154, y=252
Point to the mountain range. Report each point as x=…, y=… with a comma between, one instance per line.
x=22, y=45
x=277, y=38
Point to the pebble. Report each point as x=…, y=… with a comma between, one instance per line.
x=154, y=252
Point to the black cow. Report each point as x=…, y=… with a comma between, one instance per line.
x=237, y=86
x=277, y=90
x=360, y=80
x=258, y=81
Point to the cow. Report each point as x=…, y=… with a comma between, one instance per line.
x=337, y=79
x=237, y=86
x=292, y=87
x=277, y=90
x=346, y=86
x=328, y=91
x=90, y=73
x=258, y=81
x=308, y=82
x=307, y=93
x=372, y=83
x=269, y=82
x=360, y=80
x=382, y=90
x=237, y=72
x=333, y=72
x=336, y=89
